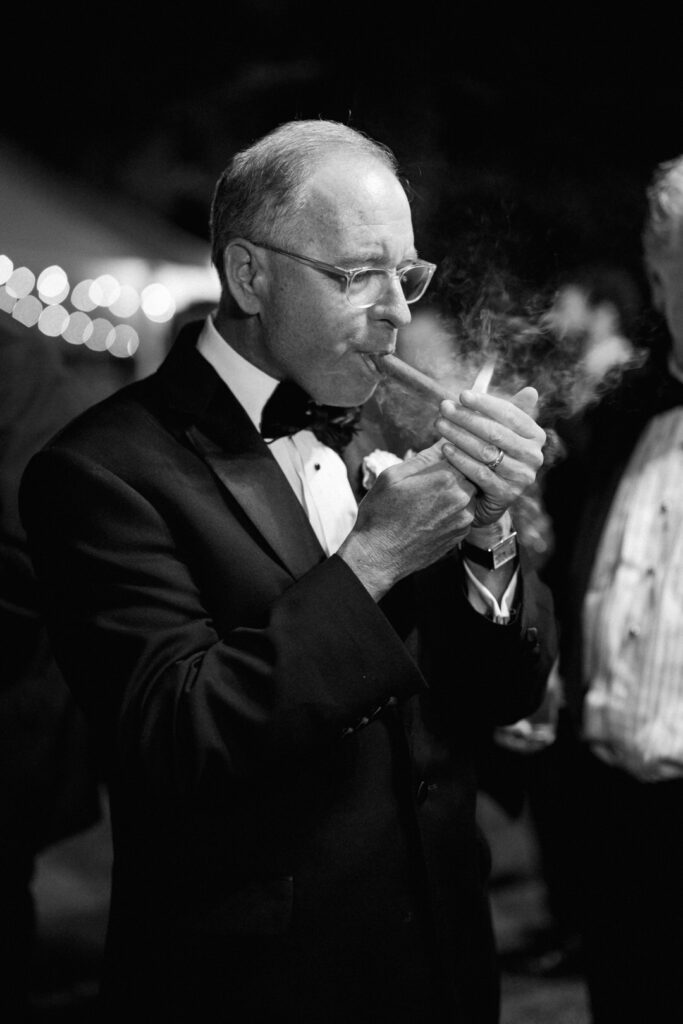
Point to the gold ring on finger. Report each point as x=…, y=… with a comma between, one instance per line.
x=495, y=463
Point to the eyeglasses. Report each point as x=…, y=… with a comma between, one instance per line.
x=366, y=285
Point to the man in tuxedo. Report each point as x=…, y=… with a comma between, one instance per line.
x=617, y=509
x=288, y=687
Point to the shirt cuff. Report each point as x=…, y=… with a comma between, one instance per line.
x=483, y=601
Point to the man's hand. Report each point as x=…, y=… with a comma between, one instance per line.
x=477, y=431
x=415, y=513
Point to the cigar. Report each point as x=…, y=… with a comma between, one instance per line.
x=394, y=367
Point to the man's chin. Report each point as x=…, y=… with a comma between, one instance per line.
x=347, y=394
x=356, y=396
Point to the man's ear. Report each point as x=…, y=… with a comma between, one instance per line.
x=244, y=275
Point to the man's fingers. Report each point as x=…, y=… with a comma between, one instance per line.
x=527, y=400
x=477, y=408
x=483, y=439
x=503, y=485
x=433, y=460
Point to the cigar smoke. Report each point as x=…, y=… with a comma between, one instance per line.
x=505, y=340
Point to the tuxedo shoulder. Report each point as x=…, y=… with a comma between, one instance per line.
x=110, y=421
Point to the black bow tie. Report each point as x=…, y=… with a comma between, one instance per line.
x=290, y=409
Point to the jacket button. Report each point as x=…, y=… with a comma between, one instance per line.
x=531, y=635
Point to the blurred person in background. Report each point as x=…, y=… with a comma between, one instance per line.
x=596, y=314
x=616, y=505
x=49, y=778
x=288, y=686
x=597, y=308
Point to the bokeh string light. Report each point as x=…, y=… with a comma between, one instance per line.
x=47, y=311
x=53, y=285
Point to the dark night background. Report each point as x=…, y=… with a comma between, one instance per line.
x=541, y=130
x=528, y=140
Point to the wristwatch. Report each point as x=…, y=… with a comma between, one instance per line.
x=492, y=558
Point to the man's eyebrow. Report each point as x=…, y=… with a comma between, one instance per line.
x=376, y=259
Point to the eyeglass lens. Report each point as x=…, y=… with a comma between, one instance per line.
x=367, y=286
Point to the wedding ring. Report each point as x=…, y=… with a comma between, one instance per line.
x=495, y=463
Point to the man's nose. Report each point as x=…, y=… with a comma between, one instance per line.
x=392, y=305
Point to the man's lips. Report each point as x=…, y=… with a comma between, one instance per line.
x=373, y=360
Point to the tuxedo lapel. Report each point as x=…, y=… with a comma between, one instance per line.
x=259, y=486
x=370, y=435
x=221, y=433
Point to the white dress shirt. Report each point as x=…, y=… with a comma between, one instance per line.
x=315, y=472
x=633, y=613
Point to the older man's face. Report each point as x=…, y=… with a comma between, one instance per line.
x=355, y=214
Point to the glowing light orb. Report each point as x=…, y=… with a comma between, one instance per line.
x=27, y=310
x=102, y=335
x=53, y=285
x=20, y=282
x=128, y=302
x=7, y=302
x=157, y=303
x=124, y=342
x=78, y=329
x=53, y=320
x=80, y=296
x=104, y=290
x=6, y=268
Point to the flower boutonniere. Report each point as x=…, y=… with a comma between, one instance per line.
x=376, y=462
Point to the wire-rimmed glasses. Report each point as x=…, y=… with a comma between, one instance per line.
x=366, y=285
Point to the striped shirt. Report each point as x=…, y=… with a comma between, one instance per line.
x=633, y=613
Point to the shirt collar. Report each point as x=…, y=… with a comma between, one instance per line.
x=251, y=387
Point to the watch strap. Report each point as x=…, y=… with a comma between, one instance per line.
x=494, y=557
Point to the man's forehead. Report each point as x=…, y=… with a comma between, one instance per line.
x=356, y=199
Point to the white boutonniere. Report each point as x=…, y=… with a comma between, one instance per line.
x=376, y=462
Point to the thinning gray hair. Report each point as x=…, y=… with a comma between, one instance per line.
x=663, y=230
x=263, y=186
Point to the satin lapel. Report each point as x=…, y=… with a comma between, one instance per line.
x=257, y=483
x=369, y=436
x=222, y=434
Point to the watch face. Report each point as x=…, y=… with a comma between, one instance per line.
x=504, y=551
x=492, y=558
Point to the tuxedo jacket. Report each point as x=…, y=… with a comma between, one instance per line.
x=290, y=763
x=579, y=491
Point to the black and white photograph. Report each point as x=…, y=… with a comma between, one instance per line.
x=341, y=515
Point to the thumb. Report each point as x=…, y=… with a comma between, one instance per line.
x=429, y=456
x=526, y=400
x=434, y=456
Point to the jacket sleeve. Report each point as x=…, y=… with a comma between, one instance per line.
x=157, y=677
x=175, y=695
x=488, y=674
